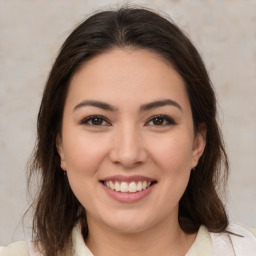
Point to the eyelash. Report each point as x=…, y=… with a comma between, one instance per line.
x=94, y=117
x=165, y=119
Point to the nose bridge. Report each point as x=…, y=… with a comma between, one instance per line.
x=128, y=148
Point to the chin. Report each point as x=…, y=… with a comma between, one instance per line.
x=127, y=228
x=129, y=224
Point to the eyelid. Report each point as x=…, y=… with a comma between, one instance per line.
x=85, y=120
x=170, y=120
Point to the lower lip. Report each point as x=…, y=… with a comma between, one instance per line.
x=126, y=197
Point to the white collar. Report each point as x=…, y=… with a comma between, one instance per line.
x=206, y=243
x=79, y=246
x=201, y=247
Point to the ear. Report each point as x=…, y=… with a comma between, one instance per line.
x=199, y=144
x=60, y=150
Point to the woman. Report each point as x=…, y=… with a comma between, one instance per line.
x=129, y=151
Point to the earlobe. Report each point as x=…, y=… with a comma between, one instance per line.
x=59, y=147
x=199, y=144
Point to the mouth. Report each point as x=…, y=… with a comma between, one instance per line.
x=127, y=187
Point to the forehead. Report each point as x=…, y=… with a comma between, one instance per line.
x=126, y=75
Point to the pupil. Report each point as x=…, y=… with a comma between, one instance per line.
x=158, y=121
x=96, y=121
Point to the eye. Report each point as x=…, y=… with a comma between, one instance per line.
x=95, y=120
x=161, y=120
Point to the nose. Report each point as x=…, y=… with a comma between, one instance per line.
x=127, y=148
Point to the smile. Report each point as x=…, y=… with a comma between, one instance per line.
x=125, y=187
x=128, y=189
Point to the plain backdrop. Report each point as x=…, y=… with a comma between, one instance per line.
x=31, y=33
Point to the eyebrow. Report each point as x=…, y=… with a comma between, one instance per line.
x=160, y=103
x=94, y=103
x=143, y=108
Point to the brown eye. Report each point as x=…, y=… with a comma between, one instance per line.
x=95, y=121
x=158, y=121
x=161, y=120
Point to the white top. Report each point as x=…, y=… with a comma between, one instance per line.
x=205, y=244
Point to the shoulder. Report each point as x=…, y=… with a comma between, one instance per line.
x=252, y=230
x=14, y=249
x=243, y=231
x=238, y=240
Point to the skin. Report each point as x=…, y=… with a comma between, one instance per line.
x=130, y=142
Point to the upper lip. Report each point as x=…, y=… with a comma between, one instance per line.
x=128, y=179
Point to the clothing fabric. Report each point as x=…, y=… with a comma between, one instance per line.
x=206, y=243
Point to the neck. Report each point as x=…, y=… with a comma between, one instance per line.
x=159, y=240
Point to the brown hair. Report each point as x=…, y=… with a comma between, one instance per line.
x=56, y=208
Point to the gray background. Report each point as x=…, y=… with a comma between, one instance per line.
x=31, y=33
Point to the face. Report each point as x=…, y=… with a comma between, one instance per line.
x=128, y=143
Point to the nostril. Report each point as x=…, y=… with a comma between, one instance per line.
x=128, y=155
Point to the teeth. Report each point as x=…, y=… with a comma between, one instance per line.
x=112, y=185
x=132, y=187
x=139, y=186
x=117, y=187
x=125, y=187
x=144, y=184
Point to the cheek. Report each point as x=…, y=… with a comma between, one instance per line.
x=174, y=153
x=83, y=154
x=84, y=158
x=174, y=157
